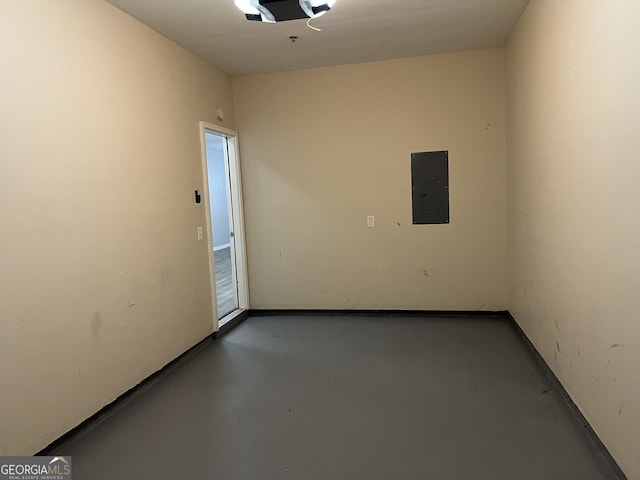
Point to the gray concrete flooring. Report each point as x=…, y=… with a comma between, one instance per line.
x=351, y=397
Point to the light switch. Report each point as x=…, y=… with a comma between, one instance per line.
x=371, y=221
x=200, y=237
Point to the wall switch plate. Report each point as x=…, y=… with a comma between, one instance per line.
x=371, y=221
x=200, y=236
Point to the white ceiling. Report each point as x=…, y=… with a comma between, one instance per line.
x=353, y=31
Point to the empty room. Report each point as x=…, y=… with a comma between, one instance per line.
x=319, y=239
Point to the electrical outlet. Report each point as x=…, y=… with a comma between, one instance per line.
x=200, y=236
x=371, y=221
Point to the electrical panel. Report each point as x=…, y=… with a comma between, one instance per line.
x=430, y=187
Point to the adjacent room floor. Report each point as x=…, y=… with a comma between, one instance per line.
x=346, y=397
x=224, y=282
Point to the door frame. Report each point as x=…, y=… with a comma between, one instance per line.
x=235, y=183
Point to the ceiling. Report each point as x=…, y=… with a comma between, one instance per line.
x=353, y=31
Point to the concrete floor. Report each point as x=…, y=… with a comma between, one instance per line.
x=346, y=398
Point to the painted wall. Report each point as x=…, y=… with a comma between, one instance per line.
x=102, y=279
x=217, y=189
x=324, y=148
x=573, y=149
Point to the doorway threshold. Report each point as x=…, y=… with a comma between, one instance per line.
x=231, y=320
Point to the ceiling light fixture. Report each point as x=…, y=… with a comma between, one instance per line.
x=272, y=11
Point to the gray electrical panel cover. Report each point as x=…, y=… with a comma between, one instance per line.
x=430, y=187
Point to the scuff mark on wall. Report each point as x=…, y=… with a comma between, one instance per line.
x=96, y=324
x=423, y=271
x=623, y=345
x=625, y=404
x=602, y=371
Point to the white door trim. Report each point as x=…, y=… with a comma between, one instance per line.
x=238, y=218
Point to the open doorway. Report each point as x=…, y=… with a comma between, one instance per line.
x=224, y=221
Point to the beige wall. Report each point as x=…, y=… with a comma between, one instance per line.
x=574, y=196
x=102, y=280
x=323, y=148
